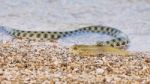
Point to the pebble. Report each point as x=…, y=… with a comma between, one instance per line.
x=99, y=71
x=39, y=62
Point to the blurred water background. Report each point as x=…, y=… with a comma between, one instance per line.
x=130, y=16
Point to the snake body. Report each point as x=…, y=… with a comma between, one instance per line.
x=120, y=39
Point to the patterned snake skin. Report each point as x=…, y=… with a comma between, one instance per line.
x=120, y=39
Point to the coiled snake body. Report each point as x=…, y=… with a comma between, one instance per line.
x=120, y=39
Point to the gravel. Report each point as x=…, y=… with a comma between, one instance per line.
x=28, y=62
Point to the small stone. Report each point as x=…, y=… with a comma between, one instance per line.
x=1, y=72
x=99, y=71
x=52, y=81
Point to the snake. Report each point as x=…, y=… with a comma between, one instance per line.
x=120, y=39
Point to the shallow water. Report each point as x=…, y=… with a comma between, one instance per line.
x=130, y=16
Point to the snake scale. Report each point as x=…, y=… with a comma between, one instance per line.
x=120, y=39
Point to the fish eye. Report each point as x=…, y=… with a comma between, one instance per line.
x=75, y=48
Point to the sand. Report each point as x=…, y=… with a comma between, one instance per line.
x=23, y=61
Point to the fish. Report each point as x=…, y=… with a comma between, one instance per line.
x=93, y=50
